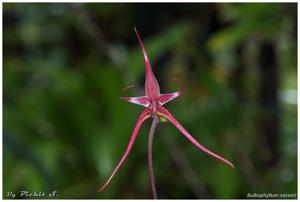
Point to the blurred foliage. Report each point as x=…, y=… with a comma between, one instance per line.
x=65, y=128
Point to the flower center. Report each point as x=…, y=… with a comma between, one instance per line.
x=153, y=106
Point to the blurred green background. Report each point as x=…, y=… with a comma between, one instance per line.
x=65, y=126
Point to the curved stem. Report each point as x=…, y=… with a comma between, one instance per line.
x=150, y=166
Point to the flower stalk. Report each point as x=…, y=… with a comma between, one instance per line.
x=155, y=121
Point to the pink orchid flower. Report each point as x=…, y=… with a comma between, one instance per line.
x=153, y=102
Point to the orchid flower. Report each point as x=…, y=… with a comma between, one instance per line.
x=153, y=102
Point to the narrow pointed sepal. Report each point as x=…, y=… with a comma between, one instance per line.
x=147, y=63
x=165, y=113
x=151, y=84
x=141, y=119
x=137, y=100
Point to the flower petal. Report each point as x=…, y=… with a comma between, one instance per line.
x=167, y=97
x=165, y=113
x=151, y=84
x=141, y=119
x=137, y=100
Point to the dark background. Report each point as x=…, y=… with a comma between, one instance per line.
x=65, y=127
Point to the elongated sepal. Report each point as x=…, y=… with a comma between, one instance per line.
x=141, y=119
x=165, y=113
x=151, y=84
